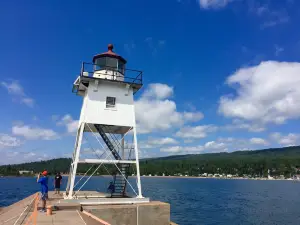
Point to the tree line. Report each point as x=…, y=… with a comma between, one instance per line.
x=280, y=161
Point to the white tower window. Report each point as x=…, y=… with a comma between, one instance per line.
x=110, y=102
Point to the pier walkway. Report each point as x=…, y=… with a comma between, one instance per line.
x=25, y=212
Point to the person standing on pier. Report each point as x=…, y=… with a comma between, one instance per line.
x=111, y=188
x=57, y=182
x=43, y=180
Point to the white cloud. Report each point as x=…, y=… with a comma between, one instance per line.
x=187, y=141
x=162, y=141
x=41, y=157
x=286, y=140
x=182, y=149
x=67, y=120
x=157, y=142
x=266, y=93
x=239, y=124
x=14, y=88
x=269, y=15
x=207, y=4
x=195, y=132
x=193, y=116
x=7, y=141
x=231, y=144
x=158, y=91
x=210, y=146
x=273, y=18
x=156, y=115
x=227, y=139
x=154, y=112
x=261, y=10
x=28, y=101
x=228, y=144
x=34, y=133
x=15, y=157
x=290, y=139
x=258, y=141
x=29, y=155
x=215, y=145
x=275, y=136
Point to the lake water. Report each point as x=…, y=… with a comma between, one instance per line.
x=198, y=201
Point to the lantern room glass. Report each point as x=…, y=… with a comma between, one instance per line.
x=109, y=63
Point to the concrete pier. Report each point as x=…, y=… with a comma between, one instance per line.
x=151, y=213
x=155, y=212
x=17, y=212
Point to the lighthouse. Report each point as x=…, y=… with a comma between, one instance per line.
x=108, y=115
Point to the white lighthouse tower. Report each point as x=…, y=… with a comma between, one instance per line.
x=108, y=115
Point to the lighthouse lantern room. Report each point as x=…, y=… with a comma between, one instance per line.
x=108, y=115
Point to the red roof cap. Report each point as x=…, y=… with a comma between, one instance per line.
x=109, y=53
x=110, y=47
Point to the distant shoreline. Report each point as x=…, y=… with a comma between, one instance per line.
x=223, y=178
x=181, y=177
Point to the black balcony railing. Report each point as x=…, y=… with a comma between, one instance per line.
x=112, y=73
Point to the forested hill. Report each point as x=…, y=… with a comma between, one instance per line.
x=280, y=161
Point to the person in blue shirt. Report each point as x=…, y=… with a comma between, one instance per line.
x=111, y=188
x=43, y=180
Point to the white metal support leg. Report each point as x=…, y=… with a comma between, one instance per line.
x=139, y=186
x=76, y=160
x=123, y=147
x=73, y=157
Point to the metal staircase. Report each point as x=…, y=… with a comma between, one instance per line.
x=120, y=182
x=119, y=177
x=108, y=142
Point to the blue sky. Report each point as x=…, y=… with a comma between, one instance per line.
x=219, y=75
